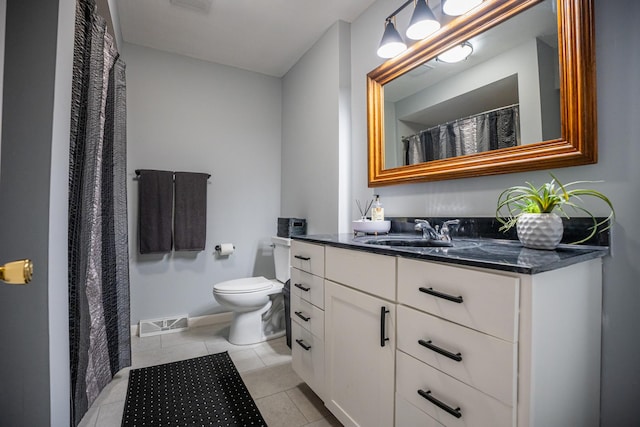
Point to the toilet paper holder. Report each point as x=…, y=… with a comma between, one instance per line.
x=225, y=249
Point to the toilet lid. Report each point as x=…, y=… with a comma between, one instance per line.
x=244, y=285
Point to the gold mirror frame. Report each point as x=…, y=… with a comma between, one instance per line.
x=578, y=142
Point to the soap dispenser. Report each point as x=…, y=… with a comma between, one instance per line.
x=377, y=211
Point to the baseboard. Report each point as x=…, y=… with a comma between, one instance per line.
x=195, y=322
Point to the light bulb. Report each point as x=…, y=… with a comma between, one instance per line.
x=459, y=7
x=457, y=53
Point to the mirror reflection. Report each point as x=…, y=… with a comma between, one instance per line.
x=505, y=93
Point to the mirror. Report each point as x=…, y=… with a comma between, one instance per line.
x=524, y=99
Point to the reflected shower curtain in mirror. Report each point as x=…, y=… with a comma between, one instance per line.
x=99, y=331
x=491, y=130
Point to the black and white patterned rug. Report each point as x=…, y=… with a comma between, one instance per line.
x=205, y=391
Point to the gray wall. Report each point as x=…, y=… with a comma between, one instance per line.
x=315, y=111
x=34, y=361
x=189, y=115
x=618, y=61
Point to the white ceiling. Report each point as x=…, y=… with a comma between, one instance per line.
x=265, y=36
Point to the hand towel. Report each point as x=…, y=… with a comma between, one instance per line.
x=155, y=204
x=190, y=218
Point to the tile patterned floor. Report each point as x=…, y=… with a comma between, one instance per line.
x=283, y=399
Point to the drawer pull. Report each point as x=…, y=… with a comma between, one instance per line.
x=302, y=316
x=303, y=258
x=303, y=345
x=383, y=317
x=430, y=291
x=299, y=286
x=427, y=395
x=457, y=356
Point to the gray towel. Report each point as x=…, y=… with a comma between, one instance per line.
x=155, y=197
x=190, y=218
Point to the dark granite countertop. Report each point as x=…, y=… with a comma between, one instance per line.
x=496, y=254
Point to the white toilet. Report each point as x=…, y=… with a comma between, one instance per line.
x=257, y=303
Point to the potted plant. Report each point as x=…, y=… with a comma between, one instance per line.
x=536, y=211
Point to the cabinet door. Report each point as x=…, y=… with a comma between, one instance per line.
x=359, y=355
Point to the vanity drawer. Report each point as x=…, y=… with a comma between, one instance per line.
x=307, y=257
x=475, y=408
x=308, y=287
x=408, y=415
x=480, y=360
x=483, y=301
x=371, y=273
x=307, y=358
x=308, y=316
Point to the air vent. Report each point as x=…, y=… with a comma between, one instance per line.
x=420, y=70
x=198, y=5
x=163, y=326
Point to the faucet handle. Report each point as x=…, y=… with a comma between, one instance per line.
x=444, y=231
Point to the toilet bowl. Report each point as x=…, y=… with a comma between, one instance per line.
x=256, y=302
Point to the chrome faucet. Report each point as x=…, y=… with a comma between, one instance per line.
x=428, y=232
x=437, y=233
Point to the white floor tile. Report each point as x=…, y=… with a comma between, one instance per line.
x=308, y=402
x=89, y=419
x=169, y=354
x=246, y=360
x=279, y=411
x=274, y=352
x=270, y=380
x=145, y=343
x=110, y=415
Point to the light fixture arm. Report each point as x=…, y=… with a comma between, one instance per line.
x=395, y=12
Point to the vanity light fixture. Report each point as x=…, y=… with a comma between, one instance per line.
x=459, y=7
x=391, y=43
x=423, y=23
x=457, y=53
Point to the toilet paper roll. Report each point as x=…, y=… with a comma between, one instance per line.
x=225, y=249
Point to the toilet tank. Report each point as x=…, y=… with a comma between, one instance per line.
x=281, y=252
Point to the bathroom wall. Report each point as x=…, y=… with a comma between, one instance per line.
x=34, y=318
x=190, y=115
x=617, y=60
x=316, y=134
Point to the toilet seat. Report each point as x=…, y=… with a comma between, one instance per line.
x=244, y=285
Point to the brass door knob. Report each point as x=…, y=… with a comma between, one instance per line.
x=17, y=272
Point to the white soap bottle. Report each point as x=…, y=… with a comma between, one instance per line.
x=377, y=211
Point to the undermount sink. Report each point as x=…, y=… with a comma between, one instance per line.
x=417, y=242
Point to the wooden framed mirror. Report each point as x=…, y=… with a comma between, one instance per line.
x=568, y=139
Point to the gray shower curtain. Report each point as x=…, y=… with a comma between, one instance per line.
x=99, y=331
x=483, y=132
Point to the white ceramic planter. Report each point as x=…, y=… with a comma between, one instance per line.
x=540, y=231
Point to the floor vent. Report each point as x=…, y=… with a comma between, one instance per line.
x=163, y=326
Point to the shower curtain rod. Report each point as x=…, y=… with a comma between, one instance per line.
x=138, y=173
x=517, y=104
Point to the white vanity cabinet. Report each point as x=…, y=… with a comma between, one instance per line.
x=411, y=341
x=307, y=313
x=360, y=342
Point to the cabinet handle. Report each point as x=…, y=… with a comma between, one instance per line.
x=303, y=258
x=427, y=395
x=455, y=356
x=448, y=297
x=302, y=316
x=299, y=286
x=383, y=317
x=303, y=345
